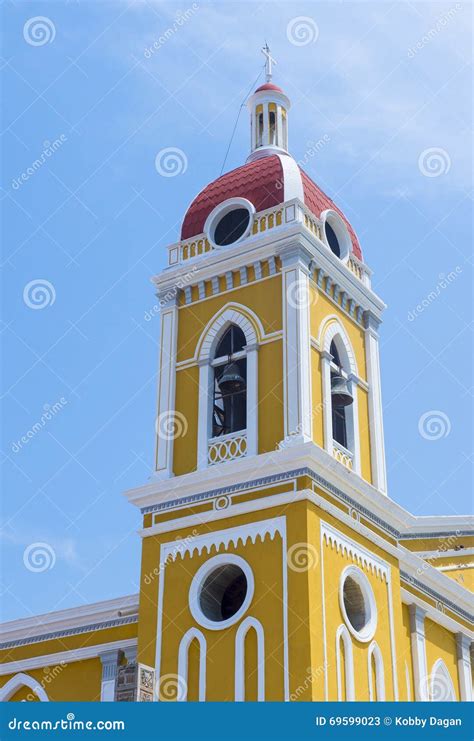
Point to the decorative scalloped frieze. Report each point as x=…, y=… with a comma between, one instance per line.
x=357, y=553
x=232, y=536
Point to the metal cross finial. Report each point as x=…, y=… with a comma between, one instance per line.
x=268, y=62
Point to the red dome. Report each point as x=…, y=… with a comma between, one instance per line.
x=269, y=86
x=263, y=182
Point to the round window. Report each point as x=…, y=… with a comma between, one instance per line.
x=231, y=227
x=221, y=591
x=336, y=234
x=358, y=604
x=229, y=222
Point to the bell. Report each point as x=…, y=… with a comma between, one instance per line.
x=340, y=394
x=231, y=381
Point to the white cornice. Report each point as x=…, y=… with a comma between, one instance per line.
x=64, y=657
x=68, y=620
x=250, y=471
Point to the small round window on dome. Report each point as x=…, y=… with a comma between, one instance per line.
x=332, y=239
x=231, y=227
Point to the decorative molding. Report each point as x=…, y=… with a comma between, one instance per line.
x=343, y=634
x=375, y=651
x=354, y=551
x=183, y=658
x=67, y=657
x=250, y=623
x=439, y=598
x=70, y=632
x=17, y=682
x=230, y=536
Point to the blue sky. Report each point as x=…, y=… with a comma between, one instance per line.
x=383, y=84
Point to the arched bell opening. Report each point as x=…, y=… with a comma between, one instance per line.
x=341, y=398
x=230, y=383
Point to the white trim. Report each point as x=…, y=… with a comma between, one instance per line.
x=292, y=180
x=418, y=650
x=110, y=664
x=166, y=387
x=334, y=219
x=367, y=632
x=452, y=552
x=223, y=559
x=17, y=682
x=377, y=445
x=343, y=634
x=219, y=212
x=183, y=661
x=248, y=624
x=440, y=672
x=65, y=657
x=379, y=673
x=407, y=682
x=463, y=643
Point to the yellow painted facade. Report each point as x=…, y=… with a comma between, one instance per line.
x=280, y=569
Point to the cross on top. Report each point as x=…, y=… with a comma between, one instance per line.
x=268, y=62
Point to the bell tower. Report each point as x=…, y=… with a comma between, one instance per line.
x=269, y=417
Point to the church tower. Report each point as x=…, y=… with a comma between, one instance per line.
x=269, y=560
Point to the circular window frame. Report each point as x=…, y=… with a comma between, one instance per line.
x=339, y=227
x=222, y=210
x=368, y=631
x=200, y=577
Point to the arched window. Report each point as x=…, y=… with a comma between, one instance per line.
x=259, y=132
x=191, y=684
x=20, y=681
x=250, y=661
x=344, y=665
x=230, y=383
x=441, y=688
x=376, y=673
x=339, y=421
x=272, y=122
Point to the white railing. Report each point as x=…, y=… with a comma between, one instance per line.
x=342, y=455
x=227, y=447
x=278, y=217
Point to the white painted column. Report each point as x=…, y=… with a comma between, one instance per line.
x=252, y=399
x=326, y=358
x=110, y=662
x=296, y=344
x=266, y=128
x=354, y=426
x=206, y=376
x=279, y=129
x=418, y=650
x=166, y=384
x=377, y=444
x=463, y=645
